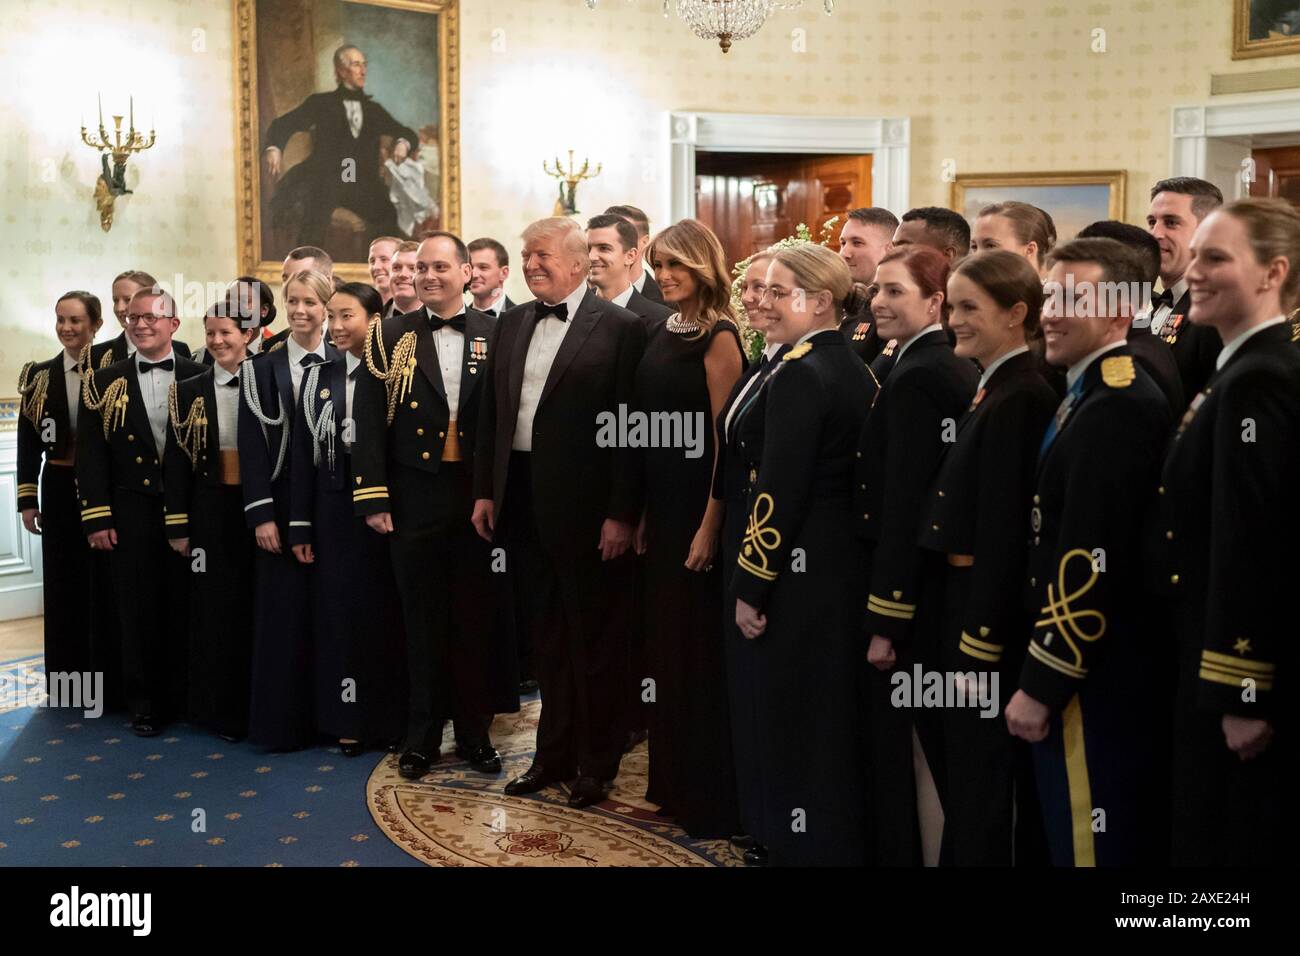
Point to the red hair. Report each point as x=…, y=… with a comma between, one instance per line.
x=928, y=268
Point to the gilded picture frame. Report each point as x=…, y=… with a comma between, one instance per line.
x=1074, y=199
x=1265, y=28
x=297, y=41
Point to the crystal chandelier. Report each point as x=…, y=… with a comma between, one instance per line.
x=729, y=20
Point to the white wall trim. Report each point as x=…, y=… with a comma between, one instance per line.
x=1209, y=141
x=21, y=590
x=887, y=139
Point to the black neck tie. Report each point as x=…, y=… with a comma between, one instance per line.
x=560, y=311
x=166, y=365
x=457, y=322
x=311, y=358
x=1165, y=298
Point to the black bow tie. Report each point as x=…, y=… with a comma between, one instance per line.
x=232, y=382
x=560, y=311
x=1165, y=298
x=166, y=365
x=311, y=358
x=348, y=94
x=457, y=322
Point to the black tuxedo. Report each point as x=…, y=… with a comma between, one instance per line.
x=652, y=313
x=550, y=504
x=116, y=349
x=1220, y=548
x=120, y=484
x=651, y=288
x=317, y=184
x=459, y=636
x=1195, y=347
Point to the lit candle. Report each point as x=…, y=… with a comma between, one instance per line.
x=100, y=96
x=132, y=114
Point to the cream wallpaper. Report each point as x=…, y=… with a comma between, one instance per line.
x=996, y=85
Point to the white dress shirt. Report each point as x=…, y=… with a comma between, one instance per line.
x=72, y=386
x=1081, y=366
x=352, y=363
x=153, y=389
x=903, y=346
x=353, y=109
x=1165, y=311
x=639, y=282
x=768, y=352
x=625, y=296
x=998, y=363
x=498, y=304
x=1230, y=348
x=227, y=408
x=296, y=352
x=542, y=348
x=450, y=346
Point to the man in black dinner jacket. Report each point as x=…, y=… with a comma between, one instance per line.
x=642, y=279
x=611, y=251
x=563, y=506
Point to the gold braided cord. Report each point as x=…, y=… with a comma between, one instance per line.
x=395, y=372
x=83, y=360
x=111, y=405
x=105, y=360
x=33, y=389
x=191, y=434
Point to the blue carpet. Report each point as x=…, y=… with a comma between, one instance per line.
x=88, y=792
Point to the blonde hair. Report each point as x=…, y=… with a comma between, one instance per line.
x=321, y=285
x=1273, y=230
x=694, y=245
x=572, y=239
x=818, y=269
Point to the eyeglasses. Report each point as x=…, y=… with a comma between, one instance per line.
x=149, y=319
x=775, y=294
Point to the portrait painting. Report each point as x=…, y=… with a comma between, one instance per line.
x=1265, y=28
x=347, y=126
x=1072, y=199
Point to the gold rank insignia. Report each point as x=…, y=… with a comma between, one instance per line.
x=860, y=332
x=1117, y=371
x=798, y=352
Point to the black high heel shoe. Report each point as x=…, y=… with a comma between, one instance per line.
x=352, y=748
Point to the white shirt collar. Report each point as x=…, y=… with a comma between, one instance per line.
x=296, y=351
x=771, y=349
x=1230, y=348
x=69, y=363
x=351, y=362
x=429, y=313
x=221, y=375
x=639, y=282
x=902, y=346
x=623, y=297
x=998, y=362
x=1081, y=366
x=574, y=299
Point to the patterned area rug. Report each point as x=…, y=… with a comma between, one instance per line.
x=456, y=817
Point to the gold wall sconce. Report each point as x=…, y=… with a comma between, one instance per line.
x=567, y=203
x=112, y=180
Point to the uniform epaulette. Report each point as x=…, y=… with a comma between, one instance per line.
x=1117, y=371
x=33, y=386
x=276, y=346
x=192, y=433
x=798, y=352
x=110, y=402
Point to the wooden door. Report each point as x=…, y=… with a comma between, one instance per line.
x=1277, y=173
x=753, y=200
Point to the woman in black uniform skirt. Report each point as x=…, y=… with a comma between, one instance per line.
x=280, y=713
x=690, y=363
x=975, y=555
x=205, y=522
x=923, y=391
x=50, y=392
x=1225, y=547
x=799, y=568
x=359, y=646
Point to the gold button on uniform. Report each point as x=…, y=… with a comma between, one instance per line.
x=1161, y=489
x=442, y=434
x=130, y=438
x=146, y=482
x=415, y=404
x=424, y=455
x=1169, y=535
x=139, y=460
x=1033, y=582
x=1173, y=579
x=419, y=431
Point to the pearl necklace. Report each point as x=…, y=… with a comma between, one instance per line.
x=675, y=324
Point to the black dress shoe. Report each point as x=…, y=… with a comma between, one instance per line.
x=586, y=792
x=394, y=747
x=743, y=841
x=413, y=764
x=144, y=725
x=531, y=780
x=231, y=738
x=353, y=748
x=484, y=759
x=528, y=686
x=756, y=855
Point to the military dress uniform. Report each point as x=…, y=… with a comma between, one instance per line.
x=974, y=536
x=1222, y=550
x=120, y=442
x=416, y=409
x=1195, y=347
x=800, y=564
x=859, y=330
x=50, y=395
x=358, y=632
x=1091, y=658
x=205, y=504
x=118, y=349
x=924, y=391
x=280, y=708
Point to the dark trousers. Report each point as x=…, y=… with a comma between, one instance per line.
x=576, y=606
x=65, y=567
x=442, y=569
x=152, y=583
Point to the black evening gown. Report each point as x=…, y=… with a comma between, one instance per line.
x=691, y=772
